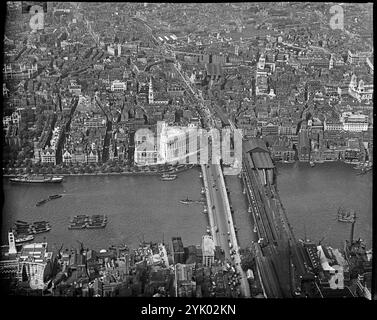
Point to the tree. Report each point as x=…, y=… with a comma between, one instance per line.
x=247, y=261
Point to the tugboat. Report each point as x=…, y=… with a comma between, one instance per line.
x=55, y=196
x=348, y=216
x=185, y=201
x=249, y=209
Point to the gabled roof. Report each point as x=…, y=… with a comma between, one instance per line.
x=255, y=145
x=258, y=154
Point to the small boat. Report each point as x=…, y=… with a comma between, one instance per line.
x=22, y=228
x=24, y=239
x=205, y=210
x=346, y=215
x=312, y=164
x=249, y=209
x=75, y=226
x=169, y=177
x=79, y=218
x=41, y=229
x=20, y=222
x=96, y=226
x=55, y=196
x=186, y=201
x=202, y=191
x=39, y=203
x=41, y=222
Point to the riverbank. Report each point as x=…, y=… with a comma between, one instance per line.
x=125, y=173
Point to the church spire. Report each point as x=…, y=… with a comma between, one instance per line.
x=150, y=94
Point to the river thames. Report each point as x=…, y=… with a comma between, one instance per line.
x=138, y=207
x=144, y=207
x=312, y=197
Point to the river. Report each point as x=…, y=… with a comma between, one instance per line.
x=143, y=207
x=312, y=196
x=138, y=207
